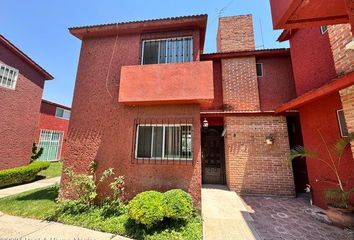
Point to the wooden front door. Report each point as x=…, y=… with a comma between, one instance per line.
x=213, y=161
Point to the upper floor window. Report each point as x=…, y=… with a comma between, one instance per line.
x=62, y=113
x=342, y=123
x=323, y=29
x=171, y=50
x=259, y=68
x=8, y=76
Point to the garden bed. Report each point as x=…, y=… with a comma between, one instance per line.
x=41, y=204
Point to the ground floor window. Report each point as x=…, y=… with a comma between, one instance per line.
x=164, y=141
x=51, y=141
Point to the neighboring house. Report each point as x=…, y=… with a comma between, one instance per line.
x=151, y=105
x=52, y=130
x=323, y=63
x=21, y=87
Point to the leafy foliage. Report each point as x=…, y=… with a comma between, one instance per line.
x=40, y=204
x=22, y=174
x=36, y=153
x=338, y=197
x=178, y=204
x=147, y=208
x=84, y=186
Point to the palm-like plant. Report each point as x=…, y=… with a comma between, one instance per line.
x=336, y=197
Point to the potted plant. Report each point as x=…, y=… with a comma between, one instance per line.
x=339, y=211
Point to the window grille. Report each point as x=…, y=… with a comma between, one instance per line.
x=172, y=50
x=51, y=141
x=8, y=76
x=167, y=141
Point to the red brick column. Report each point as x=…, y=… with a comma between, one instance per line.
x=339, y=36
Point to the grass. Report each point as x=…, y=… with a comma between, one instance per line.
x=40, y=204
x=36, y=204
x=54, y=170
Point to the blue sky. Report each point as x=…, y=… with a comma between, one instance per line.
x=40, y=28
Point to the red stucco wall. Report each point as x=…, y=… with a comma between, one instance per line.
x=312, y=59
x=19, y=112
x=276, y=86
x=321, y=115
x=100, y=128
x=48, y=121
x=217, y=102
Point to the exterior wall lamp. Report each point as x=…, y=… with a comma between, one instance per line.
x=205, y=123
x=269, y=140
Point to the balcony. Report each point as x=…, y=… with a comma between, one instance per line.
x=288, y=14
x=177, y=83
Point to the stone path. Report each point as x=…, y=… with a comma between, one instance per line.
x=291, y=219
x=29, y=186
x=22, y=228
x=225, y=216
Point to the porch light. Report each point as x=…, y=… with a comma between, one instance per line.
x=205, y=123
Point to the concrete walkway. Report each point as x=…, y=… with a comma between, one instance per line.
x=225, y=216
x=22, y=228
x=29, y=186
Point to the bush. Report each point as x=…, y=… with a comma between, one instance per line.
x=178, y=204
x=147, y=208
x=21, y=174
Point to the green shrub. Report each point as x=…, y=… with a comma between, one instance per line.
x=178, y=204
x=21, y=174
x=147, y=208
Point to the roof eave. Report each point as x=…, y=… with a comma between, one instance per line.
x=313, y=95
x=199, y=21
x=256, y=53
x=22, y=55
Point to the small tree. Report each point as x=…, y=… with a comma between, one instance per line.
x=339, y=196
x=36, y=153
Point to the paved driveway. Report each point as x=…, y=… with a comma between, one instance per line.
x=290, y=219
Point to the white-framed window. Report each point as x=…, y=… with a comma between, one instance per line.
x=342, y=123
x=62, y=113
x=259, y=68
x=164, y=141
x=323, y=29
x=169, y=50
x=8, y=76
x=51, y=141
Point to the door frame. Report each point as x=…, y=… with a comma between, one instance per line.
x=219, y=129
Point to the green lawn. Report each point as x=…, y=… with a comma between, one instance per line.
x=40, y=204
x=54, y=170
x=37, y=203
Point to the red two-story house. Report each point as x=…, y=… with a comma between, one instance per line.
x=52, y=130
x=150, y=104
x=321, y=43
x=21, y=87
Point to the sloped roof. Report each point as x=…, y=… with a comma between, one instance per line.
x=162, y=24
x=18, y=52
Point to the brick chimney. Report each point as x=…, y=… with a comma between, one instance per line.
x=235, y=33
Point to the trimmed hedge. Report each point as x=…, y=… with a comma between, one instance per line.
x=151, y=207
x=22, y=174
x=178, y=204
x=147, y=208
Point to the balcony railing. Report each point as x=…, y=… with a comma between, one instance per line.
x=178, y=83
